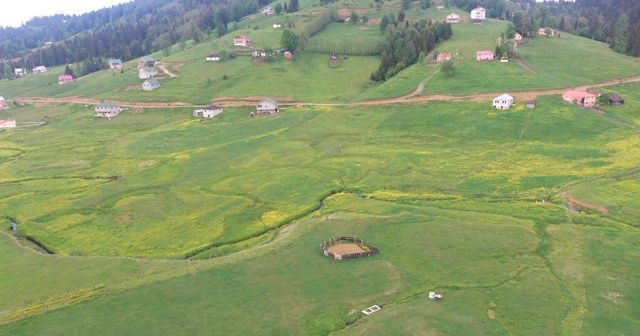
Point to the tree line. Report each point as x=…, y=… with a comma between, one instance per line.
x=615, y=22
x=405, y=43
x=126, y=31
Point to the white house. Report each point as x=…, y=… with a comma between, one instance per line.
x=115, y=63
x=39, y=69
x=453, y=18
x=267, y=11
x=485, y=55
x=145, y=73
x=503, y=102
x=19, y=71
x=8, y=123
x=108, y=110
x=277, y=26
x=208, y=112
x=213, y=58
x=267, y=106
x=2, y=103
x=150, y=85
x=478, y=13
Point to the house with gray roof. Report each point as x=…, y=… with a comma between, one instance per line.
x=115, y=63
x=150, y=84
x=108, y=110
x=146, y=73
x=267, y=106
x=208, y=112
x=146, y=62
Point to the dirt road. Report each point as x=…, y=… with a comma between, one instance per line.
x=410, y=98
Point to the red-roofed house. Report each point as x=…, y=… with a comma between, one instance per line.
x=443, y=57
x=485, y=55
x=241, y=41
x=64, y=79
x=7, y=123
x=579, y=98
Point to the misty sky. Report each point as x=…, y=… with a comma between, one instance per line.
x=14, y=13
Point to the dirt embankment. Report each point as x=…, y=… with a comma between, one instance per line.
x=576, y=203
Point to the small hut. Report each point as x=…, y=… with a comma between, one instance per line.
x=615, y=99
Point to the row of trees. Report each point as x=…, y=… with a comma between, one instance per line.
x=406, y=43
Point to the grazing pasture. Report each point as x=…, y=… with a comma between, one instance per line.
x=525, y=220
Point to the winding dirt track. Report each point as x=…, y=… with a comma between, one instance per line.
x=413, y=97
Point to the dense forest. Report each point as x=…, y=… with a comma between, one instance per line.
x=407, y=42
x=134, y=29
x=125, y=31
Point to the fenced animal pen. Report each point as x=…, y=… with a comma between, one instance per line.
x=347, y=248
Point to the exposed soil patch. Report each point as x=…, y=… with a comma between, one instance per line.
x=258, y=61
x=573, y=202
x=491, y=313
x=345, y=248
x=335, y=63
x=164, y=69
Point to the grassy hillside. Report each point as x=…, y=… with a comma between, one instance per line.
x=490, y=268
x=187, y=184
x=526, y=220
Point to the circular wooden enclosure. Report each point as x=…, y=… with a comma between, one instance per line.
x=347, y=248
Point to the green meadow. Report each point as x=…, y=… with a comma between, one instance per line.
x=163, y=184
x=525, y=220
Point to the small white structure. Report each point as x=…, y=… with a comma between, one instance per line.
x=267, y=11
x=434, y=296
x=19, y=71
x=478, y=13
x=8, y=123
x=371, y=310
x=277, y=26
x=150, y=85
x=108, y=110
x=453, y=18
x=39, y=69
x=2, y=103
x=146, y=73
x=213, y=58
x=115, y=63
x=267, y=106
x=208, y=112
x=503, y=102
